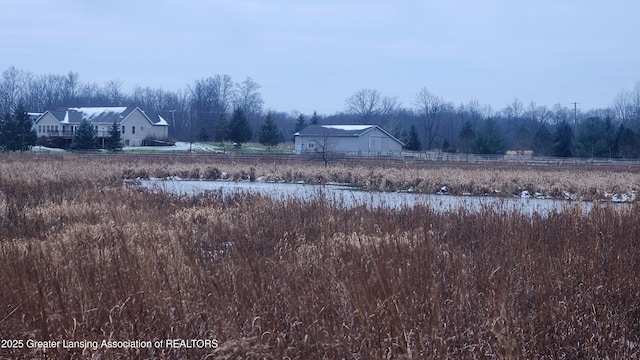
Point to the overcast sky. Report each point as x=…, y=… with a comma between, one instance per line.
x=311, y=55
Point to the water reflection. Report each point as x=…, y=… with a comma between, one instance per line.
x=350, y=196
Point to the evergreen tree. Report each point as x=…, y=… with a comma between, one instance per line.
x=222, y=129
x=315, y=120
x=239, y=128
x=269, y=134
x=16, y=131
x=627, y=143
x=490, y=139
x=563, y=140
x=466, y=137
x=301, y=123
x=202, y=135
x=543, y=141
x=521, y=139
x=413, y=142
x=113, y=142
x=446, y=147
x=596, y=138
x=84, y=137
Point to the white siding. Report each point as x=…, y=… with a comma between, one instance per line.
x=143, y=129
x=47, y=125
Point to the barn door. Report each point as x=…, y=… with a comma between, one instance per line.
x=375, y=144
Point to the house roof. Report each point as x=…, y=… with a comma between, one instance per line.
x=102, y=115
x=341, y=131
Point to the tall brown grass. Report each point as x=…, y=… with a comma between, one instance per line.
x=84, y=258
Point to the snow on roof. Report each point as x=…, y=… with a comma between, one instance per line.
x=162, y=121
x=91, y=112
x=347, y=127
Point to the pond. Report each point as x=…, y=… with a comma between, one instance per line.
x=351, y=196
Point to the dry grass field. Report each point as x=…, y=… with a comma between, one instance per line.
x=84, y=258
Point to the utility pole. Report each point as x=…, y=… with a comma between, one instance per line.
x=173, y=117
x=575, y=116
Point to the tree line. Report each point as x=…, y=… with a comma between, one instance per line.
x=216, y=108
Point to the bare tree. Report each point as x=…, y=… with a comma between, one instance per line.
x=70, y=89
x=113, y=92
x=623, y=108
x=210, y=99
x=34, y=98
x=53, y=85
x=12, y=87
x=371, y=107
x=635, y=104
x=365, y=103
x=324, y=144
x=537, y=114
x=560, y=114
x=431, y=108
x=248, y=98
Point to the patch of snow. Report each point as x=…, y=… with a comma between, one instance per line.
x=91, y=112
x=347, y=127
x=45, y=149
x=162, y=121
x=569, y=196
x=621, y=198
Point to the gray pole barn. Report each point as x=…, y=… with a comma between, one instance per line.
x=363, y=140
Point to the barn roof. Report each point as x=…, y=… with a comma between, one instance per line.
x=335, y=130
x=341, y=131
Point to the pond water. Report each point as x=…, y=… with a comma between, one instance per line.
x=350, y=196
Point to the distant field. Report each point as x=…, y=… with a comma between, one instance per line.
x=83, y=258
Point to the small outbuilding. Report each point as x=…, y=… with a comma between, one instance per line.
x=363, y=140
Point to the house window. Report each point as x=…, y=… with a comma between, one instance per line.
x=141, y=128
x=123, y=129
x=55, y=128
x=133, y=129
x=311, y=145
x=39, y=128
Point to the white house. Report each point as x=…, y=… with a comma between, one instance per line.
x=366, y=140
x=136, y=126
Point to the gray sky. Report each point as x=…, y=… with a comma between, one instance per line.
x=311, y=55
